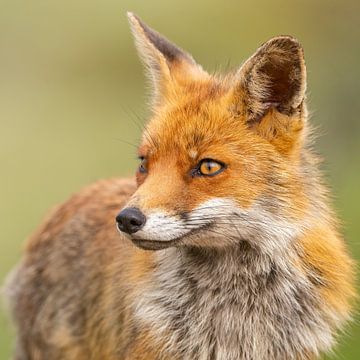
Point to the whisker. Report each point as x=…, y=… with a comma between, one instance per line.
x=126, y=142
x=142, y=127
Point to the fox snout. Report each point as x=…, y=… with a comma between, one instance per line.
x=151, y=231
x=130, y=220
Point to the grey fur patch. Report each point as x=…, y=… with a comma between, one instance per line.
x=259, y=308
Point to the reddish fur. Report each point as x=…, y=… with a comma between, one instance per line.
x=197, y=106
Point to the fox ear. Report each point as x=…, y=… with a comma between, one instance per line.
x=274, y=77
x=166, y=63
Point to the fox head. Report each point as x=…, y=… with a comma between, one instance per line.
x=221, y=157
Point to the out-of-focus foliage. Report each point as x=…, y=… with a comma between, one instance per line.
x=72, y=91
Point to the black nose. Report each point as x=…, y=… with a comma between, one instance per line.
x=130, y=220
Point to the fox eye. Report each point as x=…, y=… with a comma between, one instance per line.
x=209, y=167
x=143, y=165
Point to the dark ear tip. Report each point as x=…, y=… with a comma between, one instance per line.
x=135, y=22
x=285, y=39
x=134, y=19
x=286, y=43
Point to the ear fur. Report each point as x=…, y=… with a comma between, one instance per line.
x=274, y=77
x=166, y=63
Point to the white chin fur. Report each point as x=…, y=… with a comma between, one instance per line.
x=160, y=226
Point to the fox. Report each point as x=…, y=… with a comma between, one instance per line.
x=224, y=246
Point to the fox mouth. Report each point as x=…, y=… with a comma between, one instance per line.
x=147, y=244
x=154, y=244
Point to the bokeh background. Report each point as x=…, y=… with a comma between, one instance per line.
x=72, y=90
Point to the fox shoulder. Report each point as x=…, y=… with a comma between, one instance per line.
x=331, y=269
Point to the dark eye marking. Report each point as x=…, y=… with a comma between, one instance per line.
x=143, y=169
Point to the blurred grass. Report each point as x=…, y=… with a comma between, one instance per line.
x=71, y=89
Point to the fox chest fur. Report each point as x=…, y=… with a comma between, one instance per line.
x=233, y=305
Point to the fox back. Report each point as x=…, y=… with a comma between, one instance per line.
x=226, y=249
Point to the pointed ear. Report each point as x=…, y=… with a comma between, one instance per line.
x=165, y=62
x=274, y=77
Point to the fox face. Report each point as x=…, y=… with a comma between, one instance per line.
x=220, y=157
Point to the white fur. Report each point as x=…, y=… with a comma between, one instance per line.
x=161, y=226
x=240, y=321
x=221, y=308
x=229, y=223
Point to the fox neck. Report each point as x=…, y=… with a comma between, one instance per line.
x=231, y=304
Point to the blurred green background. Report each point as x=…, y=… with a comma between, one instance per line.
x=71, y=86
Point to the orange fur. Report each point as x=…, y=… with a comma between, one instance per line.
x=74, y=293
x=325, y=254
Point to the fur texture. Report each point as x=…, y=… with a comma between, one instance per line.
x=250, y=264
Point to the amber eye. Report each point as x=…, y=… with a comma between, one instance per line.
x=143, y=165
x=209, y=167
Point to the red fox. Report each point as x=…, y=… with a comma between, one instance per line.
x=227, y=248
